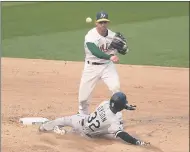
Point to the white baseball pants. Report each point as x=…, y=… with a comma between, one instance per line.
x=90, y=77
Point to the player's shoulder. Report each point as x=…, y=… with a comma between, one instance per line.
x=92, y=32
x=111, y=33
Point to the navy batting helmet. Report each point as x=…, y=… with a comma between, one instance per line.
x=118, y=101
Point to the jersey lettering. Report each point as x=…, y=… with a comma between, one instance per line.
x=102, y=121
x=102, y=113
x=104, y=47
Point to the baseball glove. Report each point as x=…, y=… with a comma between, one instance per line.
x=119, y=43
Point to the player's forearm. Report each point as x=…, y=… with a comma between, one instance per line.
x=97, y=52
x=127, y=138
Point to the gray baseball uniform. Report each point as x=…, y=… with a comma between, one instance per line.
x=99, y=123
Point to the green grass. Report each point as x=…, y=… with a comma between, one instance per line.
x=157, y=31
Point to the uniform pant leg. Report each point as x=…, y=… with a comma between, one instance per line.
x=62, y=121
x=89, y=79
x=111, y=78
x=73, y=121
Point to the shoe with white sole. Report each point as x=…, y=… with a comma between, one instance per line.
x=41, y=129
x=56, y=130
x=60, y=131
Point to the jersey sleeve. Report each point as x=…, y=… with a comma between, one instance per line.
x=115, y=128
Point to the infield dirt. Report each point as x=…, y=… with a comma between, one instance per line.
x=46, y=88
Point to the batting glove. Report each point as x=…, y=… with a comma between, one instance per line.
x=130, y=107
x=58, y=130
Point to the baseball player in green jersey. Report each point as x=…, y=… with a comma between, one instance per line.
x=101, y=47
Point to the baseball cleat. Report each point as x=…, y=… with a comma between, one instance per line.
x=59, y=131
x=56, y=130
x=41, y=129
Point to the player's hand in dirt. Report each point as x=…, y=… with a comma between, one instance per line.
x=149, y=146
x=143, y=143
x=114, y=58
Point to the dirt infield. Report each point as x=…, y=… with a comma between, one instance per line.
x=50, y=88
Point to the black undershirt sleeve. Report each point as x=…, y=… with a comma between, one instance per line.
x=126, y=137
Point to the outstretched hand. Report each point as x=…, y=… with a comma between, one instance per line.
x=143, y=143
x=130, y=107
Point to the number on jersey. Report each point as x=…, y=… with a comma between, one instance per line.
x=93, y=124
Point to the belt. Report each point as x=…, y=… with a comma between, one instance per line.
x=95, y=63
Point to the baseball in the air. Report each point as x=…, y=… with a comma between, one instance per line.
x=88, y=20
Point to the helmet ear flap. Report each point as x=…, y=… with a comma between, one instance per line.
x=112, y=104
